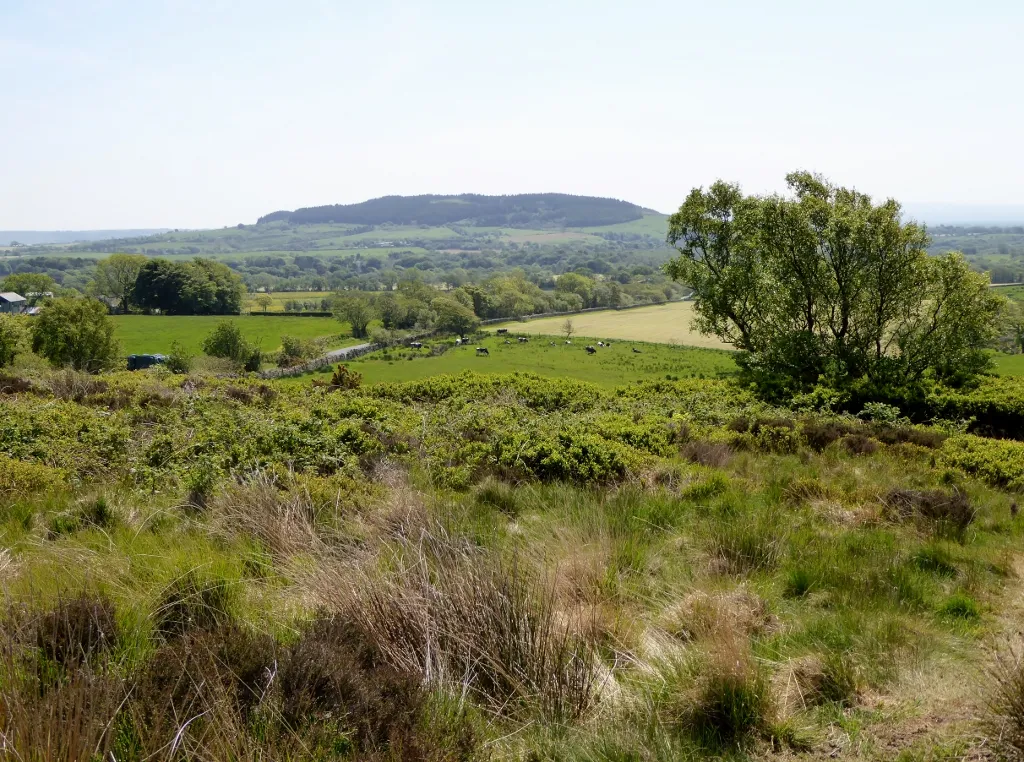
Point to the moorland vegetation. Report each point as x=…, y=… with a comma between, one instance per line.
x=789, y=562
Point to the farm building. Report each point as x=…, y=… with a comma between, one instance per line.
x=12, y=302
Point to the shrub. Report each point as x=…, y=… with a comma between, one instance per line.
x=77, y=333
x=12, y=337
x=335, y=671
x=192, y=602
x=820, y=434
x=345, y=378
x=226, y=341
x=999, y=462
x=858, y=444
x=77, y=630
x=19, y=477
x=179, y=361
x=712, y=454
x=948, y=513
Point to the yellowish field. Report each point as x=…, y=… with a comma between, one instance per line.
x=660, y=323
x=280, y=297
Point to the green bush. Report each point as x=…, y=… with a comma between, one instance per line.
x=12, y=338
x=179, y=361
x=77, y=333
x=226, y=341
x=19, y=477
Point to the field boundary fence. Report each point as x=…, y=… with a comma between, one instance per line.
x=339, y=355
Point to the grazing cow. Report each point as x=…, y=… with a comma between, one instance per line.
x=458, y=342
x=591, y=350
x=600, y=343
x=568, y=342
x=507, y=341
x=482, y=351
x=523, y=339
x=636, y=350
x=552, y=343
x=502, y=331
x=416, y=345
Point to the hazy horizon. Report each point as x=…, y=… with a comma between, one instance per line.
x=930, y=214
x=194, y=114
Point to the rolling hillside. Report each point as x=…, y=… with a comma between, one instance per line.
x=536, y=210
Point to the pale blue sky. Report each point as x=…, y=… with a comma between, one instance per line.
x=195, y=113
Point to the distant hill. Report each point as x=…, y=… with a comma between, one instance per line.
x=531, y=210
x=35, y=237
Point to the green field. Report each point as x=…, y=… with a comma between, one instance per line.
x=660, y=324
x=609, y=367
x=1014, y=291
x=652, y=224
x=143, y=334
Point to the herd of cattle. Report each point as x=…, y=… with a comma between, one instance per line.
x=591, y=350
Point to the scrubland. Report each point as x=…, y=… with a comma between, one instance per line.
x=504, y=567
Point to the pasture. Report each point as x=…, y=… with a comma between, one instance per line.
x=142, y=334
x=658, y=324
x=608, y=367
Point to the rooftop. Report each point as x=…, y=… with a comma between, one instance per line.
x=10, y=296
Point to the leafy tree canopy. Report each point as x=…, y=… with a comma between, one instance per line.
x=115, y=277
x=357, y=312
x=453, y=316
x=30, y=285
x=199, y=287
x=825, y=286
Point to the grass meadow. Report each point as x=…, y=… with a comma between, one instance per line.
x=545, y=356
x=147, y=334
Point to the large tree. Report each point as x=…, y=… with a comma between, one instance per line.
x=115, y=277
x=825, y=286
x=356, y=311
x=75, y=332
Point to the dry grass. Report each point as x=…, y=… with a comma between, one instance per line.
x=471, y=625
x=702, y=615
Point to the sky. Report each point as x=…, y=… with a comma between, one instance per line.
x=205, y=113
